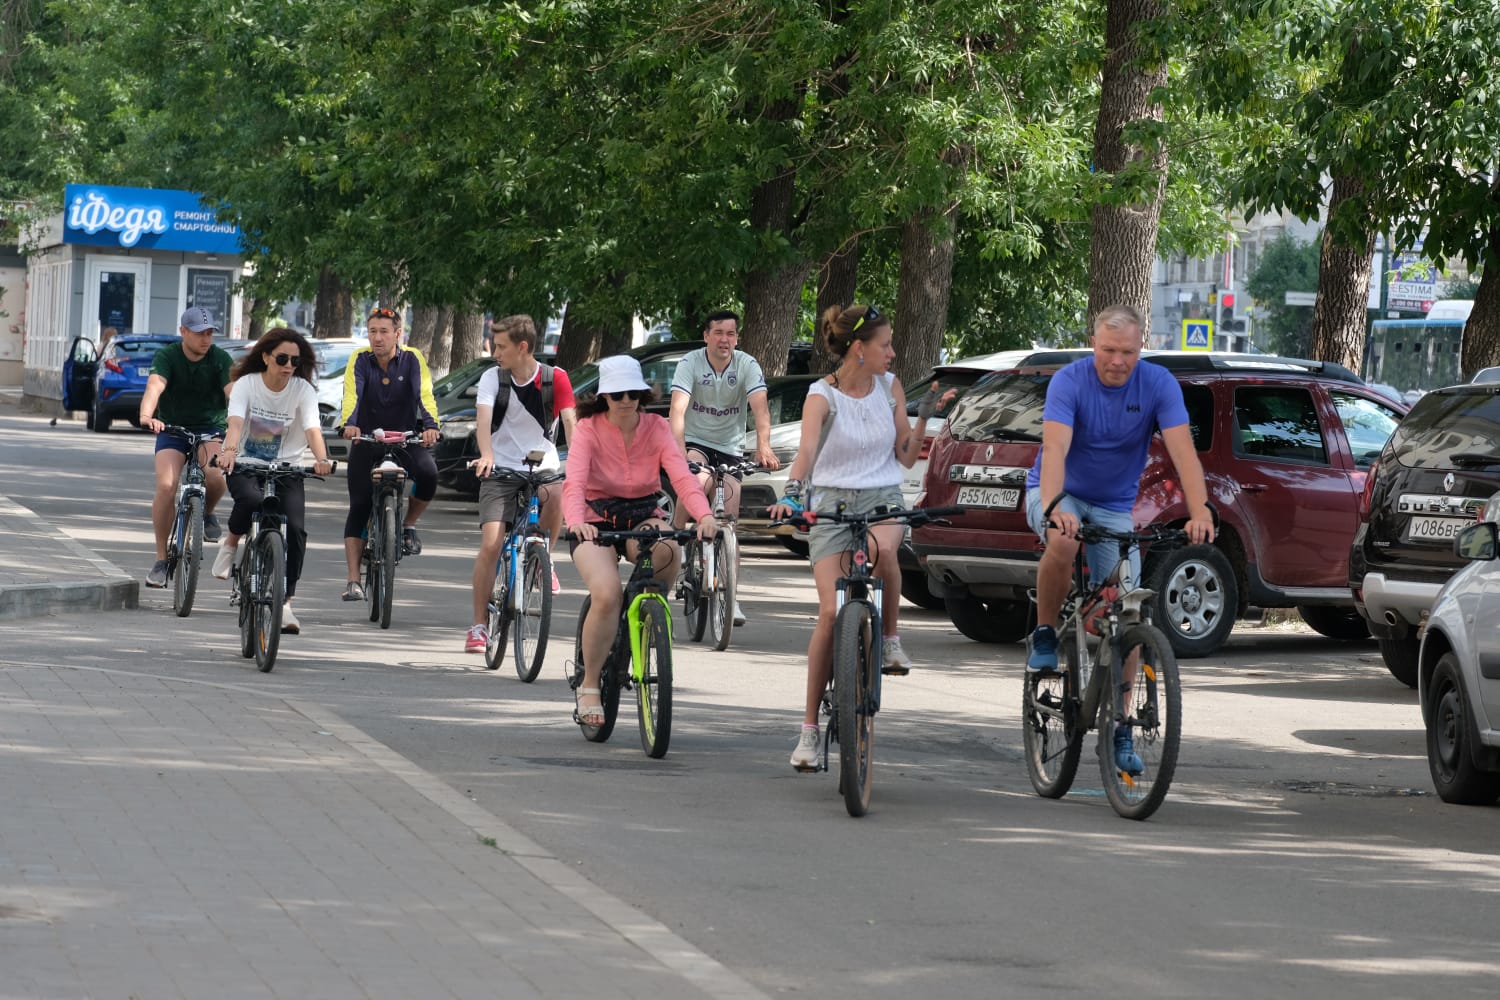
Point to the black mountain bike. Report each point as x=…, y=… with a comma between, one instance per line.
x=383, y=549
x=852, y=696
x=522, y=595
x=185, y=544
x=709, y=583
x=258, y=583
x=1102, y=632
x=641, y=657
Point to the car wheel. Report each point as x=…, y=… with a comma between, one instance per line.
x=797, y=545
x=100, y=422
x=988, y=620
x=1450, y=730
x=1400, y=656
x=1336, y=623
x=914, y=588
x=1197, y=598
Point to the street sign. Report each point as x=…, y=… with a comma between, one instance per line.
x=1197, y=334
x=1301, y=298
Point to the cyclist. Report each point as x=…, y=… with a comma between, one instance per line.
x=386, y=387
x=521, y=401
x=615, y=462
x=710, y=390
x=273, y=417
x=1099, y=417
x=188, y=387
x=859, y=415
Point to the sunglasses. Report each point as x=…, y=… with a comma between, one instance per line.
x=286, y=359
x=871, y=315
x=383, y=313
x=634, y=394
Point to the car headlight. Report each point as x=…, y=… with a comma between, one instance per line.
x=457, y=430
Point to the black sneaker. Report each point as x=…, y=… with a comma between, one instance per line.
x=211, y=529
x=411, y=544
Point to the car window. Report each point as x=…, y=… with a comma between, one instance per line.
x=1199, y=400
x=784, y=400
x=1003, y=407
x=1278, y=422
x=1443, y=425
x=1367, y=425
x=659, y=371
x=461, y=377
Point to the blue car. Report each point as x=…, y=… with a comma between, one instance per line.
x=110, y=387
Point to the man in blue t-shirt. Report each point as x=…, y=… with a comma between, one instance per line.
x=1096, y=428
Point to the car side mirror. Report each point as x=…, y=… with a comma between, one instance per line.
x=472, y=392
x=1477, y=542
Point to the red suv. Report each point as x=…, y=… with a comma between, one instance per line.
x=1285, y=446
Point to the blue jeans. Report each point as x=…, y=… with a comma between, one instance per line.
x=1103, y=557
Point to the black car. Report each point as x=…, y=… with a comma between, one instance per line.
x=1432, y=479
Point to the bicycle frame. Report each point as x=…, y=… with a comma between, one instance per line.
x=633, y=621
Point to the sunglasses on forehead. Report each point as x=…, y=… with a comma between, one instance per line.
x=871, y=315
x=380, y=312
x=635, y=394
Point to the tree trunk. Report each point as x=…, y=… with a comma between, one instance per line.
x=1122, y=247
x=424, y=321
x=259, y=309
x=442, y=343
x=1341, y=315
x=773, y=293
x=1482, y=331
x=333, y=314
x=578, y=343
x=468, y=338
x=927, y=247
x=838, y=278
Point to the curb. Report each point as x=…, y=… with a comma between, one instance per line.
x=114, y=589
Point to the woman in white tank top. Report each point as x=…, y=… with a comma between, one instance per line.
x=855, y=441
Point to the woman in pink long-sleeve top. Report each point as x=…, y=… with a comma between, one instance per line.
x=615, y=462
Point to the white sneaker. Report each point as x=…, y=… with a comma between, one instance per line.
x=289, y=623
x=897, y=663
x=805, y=757
x=739, y=615
x=224, y=561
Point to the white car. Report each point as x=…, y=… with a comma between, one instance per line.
x=333, y=360
x=1458, y=679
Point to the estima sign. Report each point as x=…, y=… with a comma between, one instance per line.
x=146, y=219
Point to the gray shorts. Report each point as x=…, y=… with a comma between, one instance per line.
x=832, y=539
x=497, y=501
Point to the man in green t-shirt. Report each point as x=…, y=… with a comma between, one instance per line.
x=188, y=387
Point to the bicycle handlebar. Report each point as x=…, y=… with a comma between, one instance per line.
x=193, y=437
x=395, y=439
x=287, y=469
x=536, y=477
x=914, y=516
x=727, y=468
x=650, y=534
x=1154, y=534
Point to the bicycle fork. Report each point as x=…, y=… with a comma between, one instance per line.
x=637, y=634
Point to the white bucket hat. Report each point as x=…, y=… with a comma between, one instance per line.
x=621, y=373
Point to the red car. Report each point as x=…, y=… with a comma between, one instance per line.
x=1285, y=446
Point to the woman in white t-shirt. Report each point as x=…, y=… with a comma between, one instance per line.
x=866, y=441
x=273, y=417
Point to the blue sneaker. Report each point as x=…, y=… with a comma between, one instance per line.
x=1041, y=656
x=1126, y=759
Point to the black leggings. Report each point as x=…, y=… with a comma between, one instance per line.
x=247, y=493
x=416, y=460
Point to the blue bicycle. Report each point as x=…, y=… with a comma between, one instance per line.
x=521, y=602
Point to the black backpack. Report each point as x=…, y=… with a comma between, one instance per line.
x=502, y=400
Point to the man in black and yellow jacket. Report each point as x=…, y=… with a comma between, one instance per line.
x=386, y=387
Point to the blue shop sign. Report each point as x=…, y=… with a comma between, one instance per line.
x=146, y=219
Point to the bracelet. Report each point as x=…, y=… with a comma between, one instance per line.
x=794, y=487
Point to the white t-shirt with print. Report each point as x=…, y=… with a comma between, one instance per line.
x=276, y=423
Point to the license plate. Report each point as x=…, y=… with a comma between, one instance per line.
x=1436, y=528
x=143, y=372
x=989, y=496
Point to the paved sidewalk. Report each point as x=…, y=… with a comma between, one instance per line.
x=163, y=838
x=43, y=571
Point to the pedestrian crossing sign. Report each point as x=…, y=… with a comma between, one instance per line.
x=1197, y=334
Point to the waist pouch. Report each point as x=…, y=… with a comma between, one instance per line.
x=622, y=514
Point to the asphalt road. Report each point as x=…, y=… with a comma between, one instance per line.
x=1301, y=851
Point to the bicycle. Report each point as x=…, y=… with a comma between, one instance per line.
x=1059, y=707
x=258, y=581
x=709, y=584
x=523, y=577
x=641, y=655
x=852, y=697
x=185, y=543
x=383, y=550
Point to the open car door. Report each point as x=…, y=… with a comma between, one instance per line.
x=78, y=374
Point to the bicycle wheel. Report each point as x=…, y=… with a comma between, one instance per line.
x=1050, y=724
x=374, y=574
x=245, y=575
x=721, y=589
x=270, y=594
x=389, y=540
x=534, y=616
x=694, y=598
x=498, y=611
x=609, y=684
x=854, y=678
x=189, y=557
x=653, y=689
x=1152, y=709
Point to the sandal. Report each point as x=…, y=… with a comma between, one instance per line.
x=354, y=591
x=590, y=715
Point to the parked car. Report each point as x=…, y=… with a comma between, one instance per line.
x=1285, y=446
x=1486, y=375
x=110, y=387
x=1433, y=476
x=333, y=356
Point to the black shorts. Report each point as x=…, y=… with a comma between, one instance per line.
x=713, y=456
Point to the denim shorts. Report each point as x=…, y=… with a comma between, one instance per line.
x=165, y=441
x=1103, y=556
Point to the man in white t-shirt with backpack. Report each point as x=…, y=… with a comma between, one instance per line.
x=519, y=405
x=712, y=392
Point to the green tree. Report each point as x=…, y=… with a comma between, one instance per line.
x=1285, y=265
